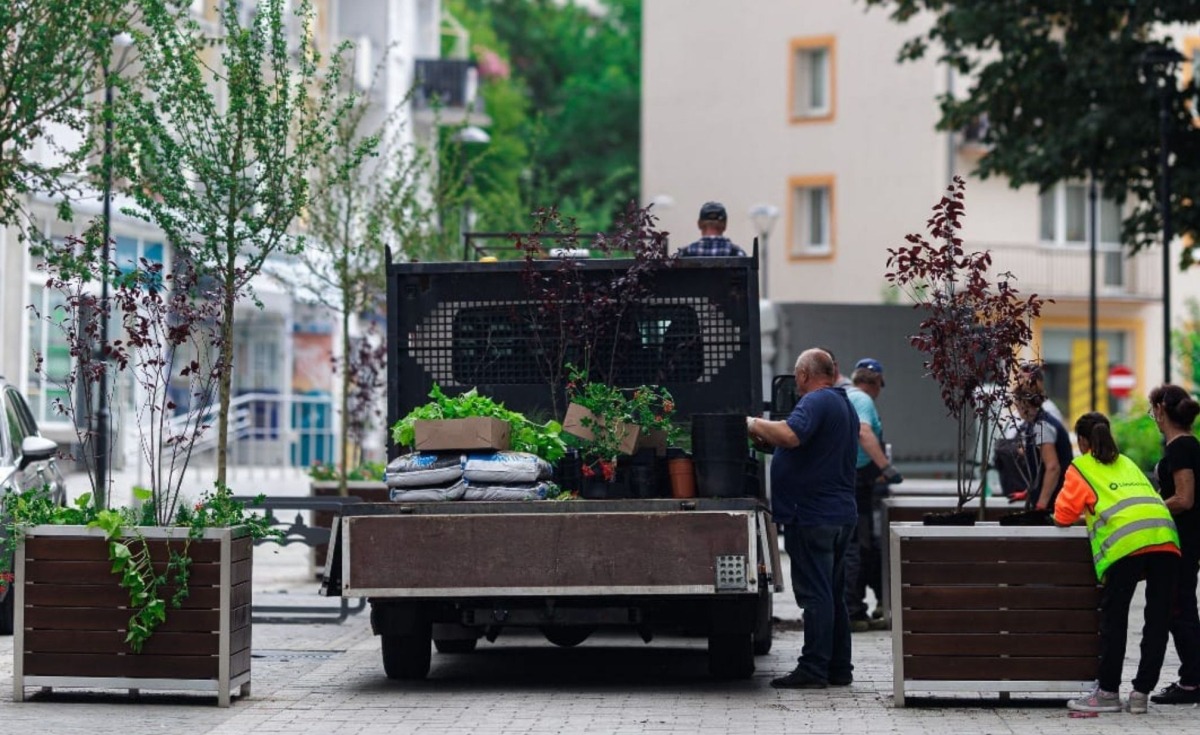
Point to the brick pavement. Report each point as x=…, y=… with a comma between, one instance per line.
x=329, y=679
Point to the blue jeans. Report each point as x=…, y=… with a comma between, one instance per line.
x=818, y=557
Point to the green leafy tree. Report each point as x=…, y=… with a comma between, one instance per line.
x=51, y=61
x=220, y=136
x=566, y=120
x=1065, y=95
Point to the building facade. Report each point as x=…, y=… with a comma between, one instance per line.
x=803, y=106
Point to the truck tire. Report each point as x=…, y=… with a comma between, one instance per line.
x=731, y=655
x=406, y=656
x=7, y=612
x=567, y=636
x=456, y=645
x=764, y=626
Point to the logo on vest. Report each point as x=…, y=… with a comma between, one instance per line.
x=1116, y=485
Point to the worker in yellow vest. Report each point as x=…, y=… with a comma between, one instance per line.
x=1132, y=537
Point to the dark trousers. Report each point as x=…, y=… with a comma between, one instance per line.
x=1185, y=622
x=818, y=559
x=864, y=562
x=1160, y=570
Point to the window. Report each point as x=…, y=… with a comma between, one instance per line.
x=811, y=217
x=1066, y=221
x=1191, y=73
x=47, y=383
x=812, y=76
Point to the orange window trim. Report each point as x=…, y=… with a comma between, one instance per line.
x=829, y=43
x=810, y=182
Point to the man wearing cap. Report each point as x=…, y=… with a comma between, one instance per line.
x=712, y=234
x=873, y=472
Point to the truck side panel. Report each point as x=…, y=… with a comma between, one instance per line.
x=558, y=554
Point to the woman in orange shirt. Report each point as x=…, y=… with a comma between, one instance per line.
x=1132, y=537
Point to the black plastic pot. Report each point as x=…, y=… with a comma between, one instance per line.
x=720, y=451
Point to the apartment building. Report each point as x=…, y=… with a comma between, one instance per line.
x=803, y=106
x=284, y=347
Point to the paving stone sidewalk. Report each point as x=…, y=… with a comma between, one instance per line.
x=329, y=679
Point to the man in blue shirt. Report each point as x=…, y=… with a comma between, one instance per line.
x=812, y=495
x=712, y=234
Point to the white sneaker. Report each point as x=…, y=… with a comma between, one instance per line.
x=1137, y=703
x=1097, y=701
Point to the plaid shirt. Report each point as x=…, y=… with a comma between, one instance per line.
x=712, y=245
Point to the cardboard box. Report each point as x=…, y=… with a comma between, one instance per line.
x=573, y=425
x=472, y=433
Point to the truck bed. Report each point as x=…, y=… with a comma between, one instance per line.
x=620, y=547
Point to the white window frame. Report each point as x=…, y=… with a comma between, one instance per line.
x=804, y=84
x=803, y=223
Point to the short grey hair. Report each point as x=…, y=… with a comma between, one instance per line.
x=816, y=361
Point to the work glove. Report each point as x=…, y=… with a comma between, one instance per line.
x=891, y=476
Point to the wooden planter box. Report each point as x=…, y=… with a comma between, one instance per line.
x=993, y=609
x=370, y=491
x=72, y=616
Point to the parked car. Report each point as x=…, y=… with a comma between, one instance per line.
x=27, y=460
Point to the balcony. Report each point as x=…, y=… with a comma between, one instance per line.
x=1062, y=272
x=447, y=91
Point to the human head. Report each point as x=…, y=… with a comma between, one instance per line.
x=832, y=357
x=1174, y=405
x=1029, y=392
x=871, y=365
x=867, y=380
x=1094, y=434
x=712, y=218
x=814, y=370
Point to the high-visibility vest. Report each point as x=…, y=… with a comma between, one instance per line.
x=1129, y=515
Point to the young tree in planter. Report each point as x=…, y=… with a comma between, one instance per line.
x=170, y=345
x=50, y=62
x=221, y=141
x=975, y=326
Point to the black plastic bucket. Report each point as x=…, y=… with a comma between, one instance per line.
x=719, y=450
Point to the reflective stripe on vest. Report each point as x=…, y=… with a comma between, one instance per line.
x=1128, y=515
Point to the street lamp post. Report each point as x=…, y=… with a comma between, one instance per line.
x=471, y=135
x=763, y=216
x=103, y=409
x=1159, y=64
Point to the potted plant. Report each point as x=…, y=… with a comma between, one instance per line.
x=1030, y=594
x=156, y=594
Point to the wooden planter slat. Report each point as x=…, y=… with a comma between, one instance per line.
x=91, y=618
x=1000, y=550
x=981, y=608
x=970, y=668
x=1018, y=573
x=91, y=641
x=1023, y=597
x=1001, y=644
x=72, y=615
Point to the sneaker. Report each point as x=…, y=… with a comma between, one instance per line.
x=877, y=613
x=1176, y=694
x=799, y=680
x=841, y=681
x=1097, y=701
x=878, y=624
x=860, y=626
x=1137, y=703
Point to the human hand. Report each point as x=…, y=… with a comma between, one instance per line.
x=891, y=475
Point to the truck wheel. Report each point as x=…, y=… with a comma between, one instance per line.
x=764, y=628
x=731, y=656
x=567, y=636
x=456, y=645
x=406, y=656
x=7, y=612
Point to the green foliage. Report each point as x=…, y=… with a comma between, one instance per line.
x=1138, y=437
x=1065, y=95
x=648, y=407
x=50, y=64
x=566, y=122
x=1186, y=343
x=544, y=440
x=219, y=137
x=367, y=471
